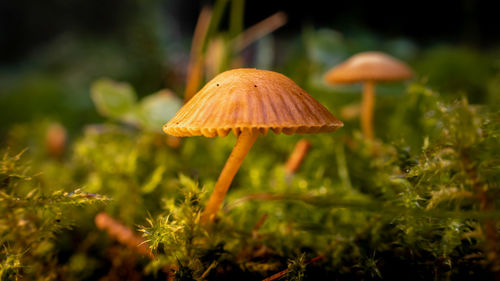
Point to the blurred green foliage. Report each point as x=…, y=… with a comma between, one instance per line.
x=119, y=101
x=459, y=71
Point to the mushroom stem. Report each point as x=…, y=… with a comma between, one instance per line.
x=245, y=141
x=367, y=105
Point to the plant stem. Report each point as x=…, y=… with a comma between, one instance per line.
x=342, y=169
x=236, y=17
x=196, y=57
x=297, y=156
x=123, y=234
x=245, y=141
x=367, y=106
x=259, y=30
x=259, y=223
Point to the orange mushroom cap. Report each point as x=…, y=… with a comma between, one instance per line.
x=372, y=66
x=254, y=99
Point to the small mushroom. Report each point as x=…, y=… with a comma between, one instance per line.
x=248, y=102
x=369, y=67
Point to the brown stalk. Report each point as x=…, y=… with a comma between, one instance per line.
x=258, y=225
x=122, y=234
x=126, y=236
x=297, y=157
x=259, y=30
x=196, y=58
x=214, y=56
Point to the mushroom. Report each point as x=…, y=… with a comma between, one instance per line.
x=369, y=67
x=248, y=102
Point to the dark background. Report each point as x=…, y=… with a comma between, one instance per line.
x=27, y=24
x=51, y=51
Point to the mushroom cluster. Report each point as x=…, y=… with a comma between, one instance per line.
x=248, y=102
